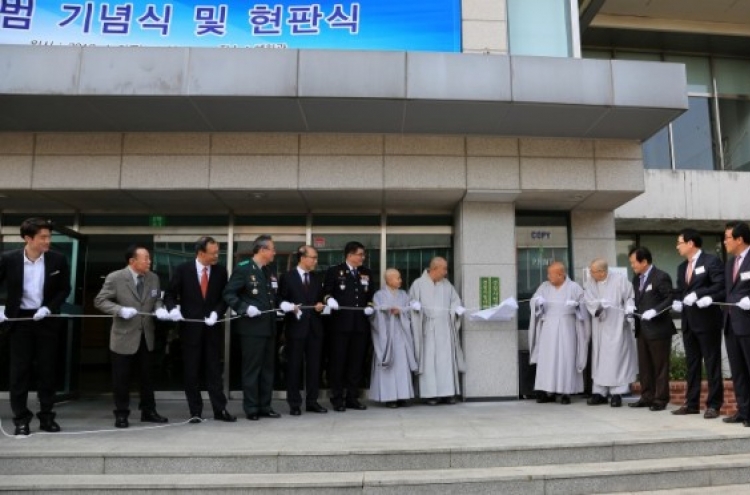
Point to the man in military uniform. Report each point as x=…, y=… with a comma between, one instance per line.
x=251, y=291
x=348, y=285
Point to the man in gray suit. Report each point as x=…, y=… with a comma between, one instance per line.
x=131, y=295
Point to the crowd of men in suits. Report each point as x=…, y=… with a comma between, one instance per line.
x=712, y=298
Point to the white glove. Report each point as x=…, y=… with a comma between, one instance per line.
x=176, y=314
x=211, y=320
x=540, y=301
x=332, y=303
x=605, y=303
x=648, y=315
x=3, y=317
x=252, y=311
x=460, y=310
x=677, y=306
x=629, y=310
x=690, y=299
x=127, y=313
x=416, y=305
x=41, y=313
x=369, y=310
x=744, y=303
x=286, y=306
x=704, y=302
x=162, y=314
x=571, y=303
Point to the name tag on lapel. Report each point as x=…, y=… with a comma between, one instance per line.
x=744, y=276
x=648, y=288
x=154, y=293
x=700, y=269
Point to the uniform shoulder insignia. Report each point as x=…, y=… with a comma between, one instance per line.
x=243, y=263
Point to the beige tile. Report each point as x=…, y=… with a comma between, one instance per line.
x=341, y=144
x=167, y=143
x=164, y=172
x=256, y=172
x=88, y=143
x=424, y=145
x=491, y=146
x=16, y=143
x=77, y=172
x=340, y=172
x=425, y=172
x=557, y=148
x=15, y=171
x=493, y=173
x=237, y=143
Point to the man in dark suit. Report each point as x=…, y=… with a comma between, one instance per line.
x=133, y=297
x=299, y=289
x=737, y=318
x=251, y=291
x=38, y=282
x=700, y=282
x=653, y=329
x=197, y=287
x=349, y=285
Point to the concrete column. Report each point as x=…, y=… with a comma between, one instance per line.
x=485, y=247
x=593, y=236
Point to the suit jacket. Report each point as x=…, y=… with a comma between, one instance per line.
x=119, y=291
x=736, y=290
x=291, y=289
x=185, y=289
x=656, y=295
x=56, y=280
x=349, y=291
x=707, y=280
x=251, y=285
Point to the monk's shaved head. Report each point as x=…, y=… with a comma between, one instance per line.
x=438, y=268
x=556, y=273
x=599, y=269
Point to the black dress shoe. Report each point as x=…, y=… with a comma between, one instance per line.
x=253, y=417
x=316, y=408
x=565, y=400
x=596, y=399
x=432, y=402
x=152, y=417
x=47, y=422
x=355, y=404
x=734, y=418
x=684, y=410
x=295, y=411
x=657, y=407
x=270, y=414
x=195, y=420
x=391, y=404
x=225, y=416
x=544, y=398
x=339, y=408
x=639, y=403
x=402, y=403
x=121, y=421
x=616, y=401
x=711, y=413
x=22, y=429
x=746, y=424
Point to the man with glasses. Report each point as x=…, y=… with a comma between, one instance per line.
x=301, y=293
x=251, y=292
x=348, y=292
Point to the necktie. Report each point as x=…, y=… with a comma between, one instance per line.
x=139, y=286
x=689, y=272
x=307, y=281
x=736, y=271
x=643, y=282
x=354, y=272
x=204, y=282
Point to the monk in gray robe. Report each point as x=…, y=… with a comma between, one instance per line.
x=609, y=299
x=393, y=359
x=435, y=325
x=559, y=334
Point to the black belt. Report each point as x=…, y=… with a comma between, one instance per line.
x=22, y=313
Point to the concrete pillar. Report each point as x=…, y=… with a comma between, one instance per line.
x=593, y=236
x=485, y=247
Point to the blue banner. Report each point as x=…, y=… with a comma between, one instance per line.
x=413, y=25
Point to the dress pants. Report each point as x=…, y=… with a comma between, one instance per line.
x=305, y=351
x=347, y=354
x=122, y=365
x=258, y=355
x=201, y=346
x=33, y=341
x=653, y=368
x=738, y=351
x=699, y=347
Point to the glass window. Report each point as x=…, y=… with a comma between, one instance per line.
x=539, y=27
x=656, y=150
x=735, y=133
x=647, y=57
x=732, y=76
x=411, y=254
x=692, y=136
x=698, y=71
x=597, y=54
x=664, y=253
x=623, y=244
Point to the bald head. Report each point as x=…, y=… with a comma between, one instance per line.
x=556, y=273
x=599, y=269
x=438, y=269
x=393, y=278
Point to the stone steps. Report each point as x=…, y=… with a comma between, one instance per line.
x=582, y=478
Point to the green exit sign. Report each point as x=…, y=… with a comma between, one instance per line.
x=157, y=221
x=489, y=292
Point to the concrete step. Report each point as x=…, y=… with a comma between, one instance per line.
x=117, y=460
x=561, y=479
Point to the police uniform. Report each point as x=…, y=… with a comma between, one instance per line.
x=252, y=285
x=349, y=330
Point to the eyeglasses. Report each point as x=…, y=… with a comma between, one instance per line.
x=311, y=257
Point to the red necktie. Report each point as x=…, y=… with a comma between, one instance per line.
x=204, y=282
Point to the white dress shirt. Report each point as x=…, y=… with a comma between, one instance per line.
x=33, y=282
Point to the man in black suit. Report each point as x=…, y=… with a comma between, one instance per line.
x=350, y=285
x=653, y=329
x=737, y=318
x=700, y=282
x=197, y=287
x=303, y=329
x=38, y=282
